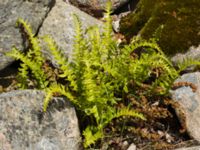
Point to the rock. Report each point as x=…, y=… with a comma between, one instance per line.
x=115, y=25
x=124, y=145
x=97, y=7
x=4, y=144
x=60, y=24
x=192, y=53
x=189, y=148
x=132, y=147
x=10, y=10
x=175, y=23
x=23, y=126
x=188, y=97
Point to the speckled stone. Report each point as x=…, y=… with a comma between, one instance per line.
x=10, y=10
x=23, y=125
x=189, y=101
x=59, y=24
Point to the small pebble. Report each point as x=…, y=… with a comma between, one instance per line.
x=132, y=147
x=125, y=145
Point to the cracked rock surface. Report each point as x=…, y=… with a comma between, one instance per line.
x=34, y=11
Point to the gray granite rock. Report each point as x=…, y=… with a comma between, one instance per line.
x=192, y=53
x=96, y=7
x=10, y=10
x=23, y=126
x=60, y=24
x=189, y=100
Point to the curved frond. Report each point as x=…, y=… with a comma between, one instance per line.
x=53, y=89
x=35, y=49
x=91, y=138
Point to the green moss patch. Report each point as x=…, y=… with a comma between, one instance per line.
x=175, y=22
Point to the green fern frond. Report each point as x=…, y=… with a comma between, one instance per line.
x=95, y=45
x=108, y=20
x=187, y=62
x=140, y=43
x=91, y=138
x=60, y=58
x=33, y=41
x=23, y=76
x=33, y=59
x=26, y=26
x=92, y=134
x=15, y=53
x=34, y=67
x=56, y=88
x=120, y=113
x=78, y=28
x=79, y=41
x=128, y=112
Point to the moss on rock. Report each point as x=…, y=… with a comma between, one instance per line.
x=179, y=21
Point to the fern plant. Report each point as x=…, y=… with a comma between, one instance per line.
x=99, y=75
x=32, y=60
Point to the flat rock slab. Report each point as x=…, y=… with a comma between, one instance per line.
x=189, y=101
x=10, y=10
x=23, y=126
x=60, y=24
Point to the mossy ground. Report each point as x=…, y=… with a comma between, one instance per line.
x=176, y=23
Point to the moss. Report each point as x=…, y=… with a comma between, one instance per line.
x=131, y=24
x=180, y=20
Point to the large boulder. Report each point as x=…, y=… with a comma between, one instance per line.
x=23, y=125
x=97, y=7
x=187, y=95
x=10, y=10
x=59, y=24
x=175, y=23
